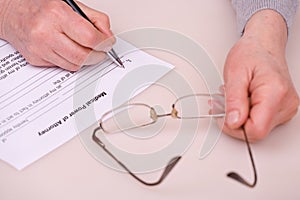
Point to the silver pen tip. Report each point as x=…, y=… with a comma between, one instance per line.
x=120, y=63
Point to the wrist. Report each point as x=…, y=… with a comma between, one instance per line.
x=269, y=29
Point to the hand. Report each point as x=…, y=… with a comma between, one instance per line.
x=50, y=33
x=259, y=91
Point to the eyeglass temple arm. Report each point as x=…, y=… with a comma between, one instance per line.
x=166, y=171
x=236, y=176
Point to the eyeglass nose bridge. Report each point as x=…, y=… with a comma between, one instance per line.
x=154, y=116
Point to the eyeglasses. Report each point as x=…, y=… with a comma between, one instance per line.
x=137, y=115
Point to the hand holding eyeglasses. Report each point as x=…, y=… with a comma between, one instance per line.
x=256, y=69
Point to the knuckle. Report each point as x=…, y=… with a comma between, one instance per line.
x=33, y=51
x=31, y=60
x=34, y=60
x=113, y=40
x=38, y=32
x=297, y=101
x=105, y=19
x=75, y=68
x=231, y=100
x=79, y=58
x=72, y=67
x=54, y=8
x=294, y=102
x=91, y=38
x=258, y=133
x=286, y=92
x=103, y=45
x=258, y=130
x=42, y=25
x=282, y=88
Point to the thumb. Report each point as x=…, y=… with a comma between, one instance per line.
x=236, y=97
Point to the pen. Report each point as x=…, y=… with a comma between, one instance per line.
x=112, y=54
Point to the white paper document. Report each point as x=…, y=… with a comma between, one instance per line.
x=38, y=106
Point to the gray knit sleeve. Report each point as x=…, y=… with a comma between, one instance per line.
x=246, y=8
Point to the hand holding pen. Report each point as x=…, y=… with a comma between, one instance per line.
x=50, y=33
x=112, y=54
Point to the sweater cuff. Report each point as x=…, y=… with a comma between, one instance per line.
x=246, y=8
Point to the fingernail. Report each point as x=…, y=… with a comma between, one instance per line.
x=232, y=117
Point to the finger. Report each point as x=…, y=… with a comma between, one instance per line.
x=99, y=19
x=265, y=106
x=74, y=53
x=101, y=22
x=59, y=61
x=95, y=57
x=55, y=59
x=35, y=60
x=82, y=31
x=236, y=133
x=236, y=94
x=42, y=63
x=260, y=122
